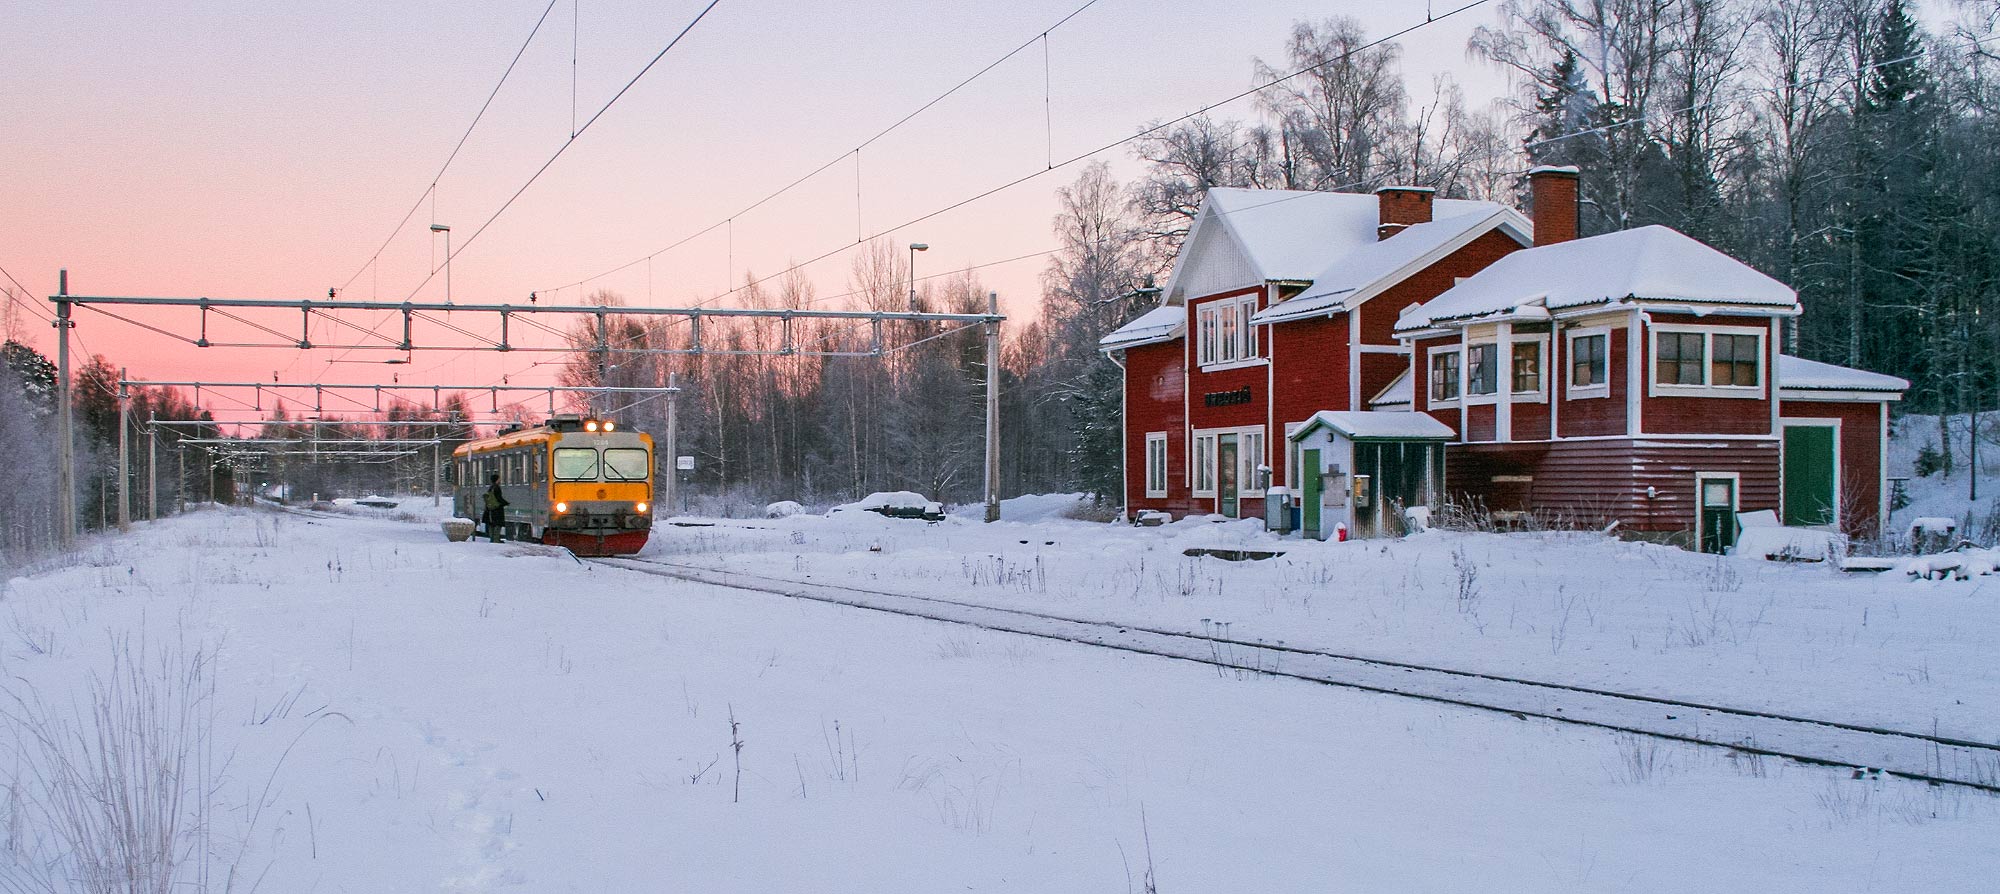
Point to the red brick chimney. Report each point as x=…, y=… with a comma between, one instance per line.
x=1552, y=191
x=1402, y=206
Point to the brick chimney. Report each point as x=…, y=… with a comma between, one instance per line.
x=1402, y=206
x=1552, y=190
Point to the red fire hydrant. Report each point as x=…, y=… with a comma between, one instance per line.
x=1340, y=532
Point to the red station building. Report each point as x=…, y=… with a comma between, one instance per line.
x=1357, y=355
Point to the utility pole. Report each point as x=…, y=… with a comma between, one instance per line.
x=437, y=469
x=124, y=454
x=152, y=466
x=993, y=409
x=65, y=420
x=181, y=483
x=673, y=475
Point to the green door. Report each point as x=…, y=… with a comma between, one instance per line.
x=1309, y=475
x=1809, y=475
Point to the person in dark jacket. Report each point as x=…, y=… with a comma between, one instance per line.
x=495, y=502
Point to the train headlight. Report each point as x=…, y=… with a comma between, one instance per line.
x=590, y=426
x=610, y=426
x=562, y=508
x=641, y=508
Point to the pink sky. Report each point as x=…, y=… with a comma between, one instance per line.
x=260, y=150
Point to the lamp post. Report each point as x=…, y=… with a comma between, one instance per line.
x=914, y=248
x=441, y=228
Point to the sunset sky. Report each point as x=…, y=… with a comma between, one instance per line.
x=265, y=150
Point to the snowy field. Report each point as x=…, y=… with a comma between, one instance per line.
x=1579, y=609
x=404, y=714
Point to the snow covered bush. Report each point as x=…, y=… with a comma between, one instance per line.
x=117, y=794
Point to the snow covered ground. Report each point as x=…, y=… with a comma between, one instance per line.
x=1941, y=495
x=1572, y=608
x=418, y=715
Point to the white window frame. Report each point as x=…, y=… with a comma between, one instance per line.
x=1204, y=454
x=1573, y=391
x=1248, y=459
x=1224, y=337
x=1430, y=374
x=1293, y=457
x=1541, y=392
x=1156, y=464
x=1465, y=373
x=1656, y=388
x=1201, y=464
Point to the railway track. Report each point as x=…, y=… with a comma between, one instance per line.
x=1913, y=755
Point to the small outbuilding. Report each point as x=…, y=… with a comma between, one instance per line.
x=1360, y=470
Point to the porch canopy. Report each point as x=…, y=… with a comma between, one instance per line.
x=1377, y=425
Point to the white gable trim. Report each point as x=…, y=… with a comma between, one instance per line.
x=1209, y=225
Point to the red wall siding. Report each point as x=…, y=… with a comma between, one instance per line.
x=1378, y=314
x=1710, y=415
x=1481, y=422
x=1596, y=482
x=1311, y=368
x=1860, y=458
x=1154, y=385
x=1597, y=415
x=1531, y=421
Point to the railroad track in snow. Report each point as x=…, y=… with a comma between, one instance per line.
x=1918, y=756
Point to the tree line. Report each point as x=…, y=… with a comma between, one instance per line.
x=1840, y=146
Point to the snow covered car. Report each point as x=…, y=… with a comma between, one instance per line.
x=894, y=504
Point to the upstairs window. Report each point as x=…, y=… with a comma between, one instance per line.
x=1737, y=358
x=1527, y=367
x=1223, y=333
x=1677, y=358
x=1587, y=365
x=1722, y=361
x=1482, y=373
x=1444, y=375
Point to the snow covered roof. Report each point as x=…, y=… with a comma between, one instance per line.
x=1645, y=264
x=1366, y=269
x=1378, y=424
x=1293, y=234
x=1798, y=373
x=1401, y=393
x=1156, y=325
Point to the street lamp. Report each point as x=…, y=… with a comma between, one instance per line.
x=914, y=248
x=441, y=228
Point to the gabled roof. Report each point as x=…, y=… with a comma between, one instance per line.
x=1401, y=393
x=1647, y=264
x=1800, y=374
x=1292, y=235
x=1156, y=325
x=1377, y=425
x=1368, y=269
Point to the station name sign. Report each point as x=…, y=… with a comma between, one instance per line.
x=1226, y=398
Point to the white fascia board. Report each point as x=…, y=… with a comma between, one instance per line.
x=1842, y=395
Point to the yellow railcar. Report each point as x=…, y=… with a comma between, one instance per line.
x=586, y=484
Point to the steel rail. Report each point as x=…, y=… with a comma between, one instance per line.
x=1988, y=777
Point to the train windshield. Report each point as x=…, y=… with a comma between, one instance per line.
x=576, y=464
x=625, y=464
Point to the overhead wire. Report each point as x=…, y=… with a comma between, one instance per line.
x=844, y=154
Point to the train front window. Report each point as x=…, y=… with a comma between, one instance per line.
x=576, y=464
x=625, y=464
